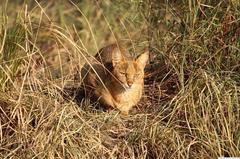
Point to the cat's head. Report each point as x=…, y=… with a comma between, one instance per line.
x=129, y=72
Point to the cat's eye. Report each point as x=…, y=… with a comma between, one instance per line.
x=122, y=73
x=137, y=74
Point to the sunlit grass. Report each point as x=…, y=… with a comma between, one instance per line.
x=44, y=45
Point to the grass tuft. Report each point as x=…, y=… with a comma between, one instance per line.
x=191, y=104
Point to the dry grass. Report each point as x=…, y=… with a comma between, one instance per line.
x=191, y=105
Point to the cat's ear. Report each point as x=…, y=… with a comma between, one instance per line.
x=142, y=59
x=116, y=57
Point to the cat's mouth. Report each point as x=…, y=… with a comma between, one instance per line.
x=127, y=87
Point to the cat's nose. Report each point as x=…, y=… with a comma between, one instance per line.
x=130, y=83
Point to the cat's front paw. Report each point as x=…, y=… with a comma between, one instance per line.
x=124, y=113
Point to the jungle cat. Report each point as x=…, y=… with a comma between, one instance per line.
x=115, y=78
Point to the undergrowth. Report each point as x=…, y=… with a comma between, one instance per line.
x=191, y=105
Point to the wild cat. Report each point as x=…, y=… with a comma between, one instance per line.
x=115, y=78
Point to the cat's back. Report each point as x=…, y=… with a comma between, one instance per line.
x=98, y=70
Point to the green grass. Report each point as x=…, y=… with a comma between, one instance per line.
x=191, y=105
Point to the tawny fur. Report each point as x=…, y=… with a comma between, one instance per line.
x=115, y=78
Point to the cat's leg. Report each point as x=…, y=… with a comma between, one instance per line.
x=124, y=113
x=105, y=98
x=108, y=101
x=124, y=109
